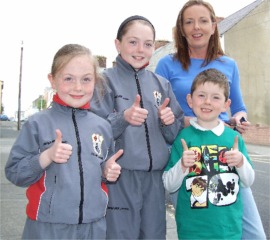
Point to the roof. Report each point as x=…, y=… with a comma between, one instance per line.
x=236, y=17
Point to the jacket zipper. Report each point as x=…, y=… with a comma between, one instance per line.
x=145, y=124
x=80, y=220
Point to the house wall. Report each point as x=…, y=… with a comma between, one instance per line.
x=248, y=42
x=159, y=53
x=1, y=90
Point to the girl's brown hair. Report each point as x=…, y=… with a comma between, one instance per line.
x=123, y=28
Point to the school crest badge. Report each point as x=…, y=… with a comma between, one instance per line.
x=157, y=96
x=97, y=142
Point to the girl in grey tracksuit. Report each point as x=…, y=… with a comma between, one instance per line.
x=69, y=193
x=67, y=198
x=136, y=208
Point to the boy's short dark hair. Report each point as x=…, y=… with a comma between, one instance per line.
x=214, y=76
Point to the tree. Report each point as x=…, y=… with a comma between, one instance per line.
x=2, y=108
x=42, y=104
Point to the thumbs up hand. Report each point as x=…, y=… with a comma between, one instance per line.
x=112, y=169
x=188, y=157
x=135, y=115
x=59, y=152
x=165, y=113
x=234, y=157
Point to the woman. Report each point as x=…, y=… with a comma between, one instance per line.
x=198, y=48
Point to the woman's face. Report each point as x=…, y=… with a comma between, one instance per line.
x=198, y=27
x=137, y=45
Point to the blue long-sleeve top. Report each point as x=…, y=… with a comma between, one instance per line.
x=181, y=80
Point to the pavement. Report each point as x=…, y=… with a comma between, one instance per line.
x=260, y=150
x=13, y=199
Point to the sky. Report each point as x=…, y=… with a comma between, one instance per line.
x=41, y=27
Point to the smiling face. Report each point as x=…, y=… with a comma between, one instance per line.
x=207, y=102
x=75, y=82
x=198, y=27
x=137, y=44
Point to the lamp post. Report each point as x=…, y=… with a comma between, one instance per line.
x=19, y=97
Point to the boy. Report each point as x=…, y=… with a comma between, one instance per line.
x=208, y=162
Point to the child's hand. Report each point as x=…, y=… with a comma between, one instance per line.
x=135, y=115
x=112, y=169
x=188, y=157
x=59, y=152
x=165, y=113
x=234, y=157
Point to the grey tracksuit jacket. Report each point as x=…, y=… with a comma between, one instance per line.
x=145, y=147
x=72, y=192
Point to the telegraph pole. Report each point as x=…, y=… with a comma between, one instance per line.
x=20, y=89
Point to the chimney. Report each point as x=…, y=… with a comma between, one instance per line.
x=219, y=19
x=101, y=61
x=160, y=43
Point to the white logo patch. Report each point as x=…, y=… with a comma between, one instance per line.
x=157, y=96
x=97, y=142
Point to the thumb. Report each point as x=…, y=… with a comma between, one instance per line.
x=58, y=138
x=185, y=147
x=235, y=144
x=164, y=104
x=115, y=157
x=137, y=101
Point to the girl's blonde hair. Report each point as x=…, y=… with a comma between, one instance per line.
x=67, y=53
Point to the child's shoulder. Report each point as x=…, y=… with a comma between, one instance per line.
x=46, y=113
x=96, y=118
x=185, y=132
x=229, y=133
x=228, y=130
x=109, y=71
x=158, y=78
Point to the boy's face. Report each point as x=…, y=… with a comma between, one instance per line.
x=75, y=82
x=137, y=45
x=207, y=102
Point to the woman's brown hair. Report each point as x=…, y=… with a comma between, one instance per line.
x=182, y=50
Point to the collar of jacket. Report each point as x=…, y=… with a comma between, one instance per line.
x=58, y=100
x=121, y=61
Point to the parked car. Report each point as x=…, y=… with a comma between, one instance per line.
x=4, y=117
